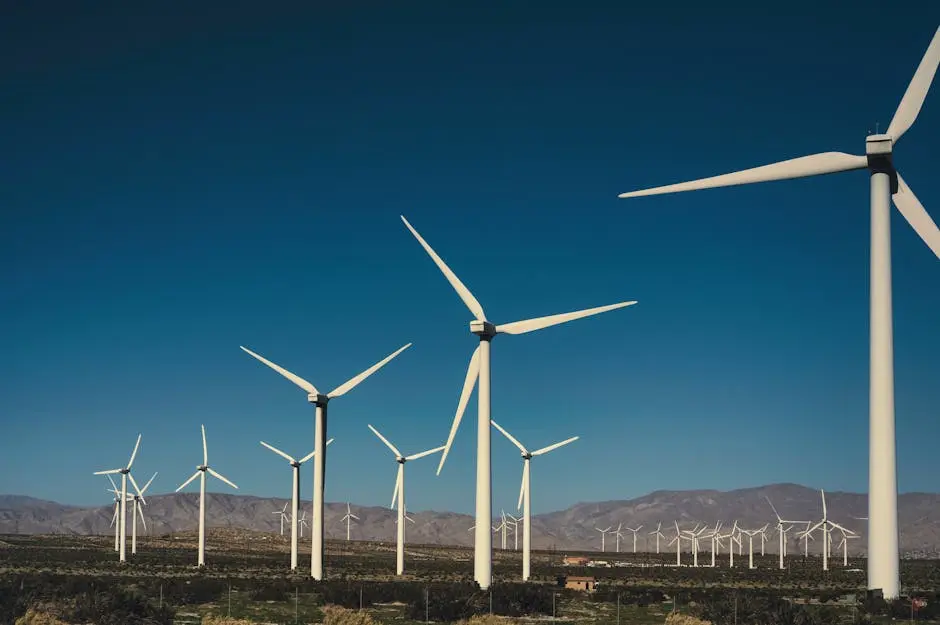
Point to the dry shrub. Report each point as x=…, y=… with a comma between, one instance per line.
x=224, y=620
x=485, y=619
x=336, y=615
x=37, y=617
x=677, y=618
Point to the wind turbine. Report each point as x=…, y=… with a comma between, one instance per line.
x=480, y=368
x=603, y=537
x=319, y=444
x=781, y=531
x=399, y=493
x=139, y=503
x=201, y=471
x=303, y=522
x=678, y=541
x=515, y=530
x=348, y=517
x=732, y=536
x=125, y=474
x=658, y=533
x=886, y=184
x=824, y=526
x=295, y=498
x=618, y=535
x=284, y=515
x=525, y=491
x=634, y=530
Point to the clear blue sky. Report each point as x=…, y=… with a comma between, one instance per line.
x=176, y=183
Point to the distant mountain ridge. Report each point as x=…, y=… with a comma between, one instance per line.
x=572, y=528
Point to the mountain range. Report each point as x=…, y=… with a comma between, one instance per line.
x=574, y=528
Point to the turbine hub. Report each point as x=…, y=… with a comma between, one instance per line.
x=484, y=329
x=526, y=456
x=125, y=471
x=295, y=464
x=202, y=467
x=400, y=460
x=318, y=400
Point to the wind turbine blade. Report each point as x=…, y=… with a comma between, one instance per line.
x=529, y=325
x=134, y=453
x=114, y=516
x=385, y=440
x=113, y=485
x=468, y=299
x=186, y=483
x=205, y=448
x=134, y=483
x=823, y=493
x=111, y=472
x=773, y=508
x=352, y=383
x=813, y=165
x=545, y=450
x=147, y=485
x=473, y=371
x=916, y=215
x=296, y=379
x=510, y=437
x=525, y=474
x=314, y=452
x=140, y=512
x=279, y=452
x=425, y=453
x=395, y=491
x=353, y=516
x=222, y=477
x=913, y=98
x=409, y=518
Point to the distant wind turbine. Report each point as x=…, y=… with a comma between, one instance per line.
x=319, y=443
x=125, y=474
x=201, y=471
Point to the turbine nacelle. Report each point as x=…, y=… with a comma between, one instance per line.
x=202, y=467
x=483, y=329
x=401, y=460
x=318, y=399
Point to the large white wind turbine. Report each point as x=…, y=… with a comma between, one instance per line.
x=525, y=492
x=480, y=368
x=125, y=473
x=319, y=443
x=886, y=183
x=138, y=511
x=399, y=493
x=295, y=498
x=201, y=471
x=659, y=534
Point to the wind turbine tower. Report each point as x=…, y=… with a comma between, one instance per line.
x=125, y=474
x=348, y=517
x=319, y=443
x=399, y=493
x=480, y=368
x=525, y=491
x=885, y=184
x=201, y=471
x=295, y=498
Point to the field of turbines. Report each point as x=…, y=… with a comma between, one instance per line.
x=718, y=571
x=248, y=578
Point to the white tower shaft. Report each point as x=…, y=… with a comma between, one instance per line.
x=294, y=510
x=319, y=468
x=134, y=527
x=202, y=518
x=400, y=551
x=526, y=524
x=882, y=470
x=483, y=545
x=123, y=520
